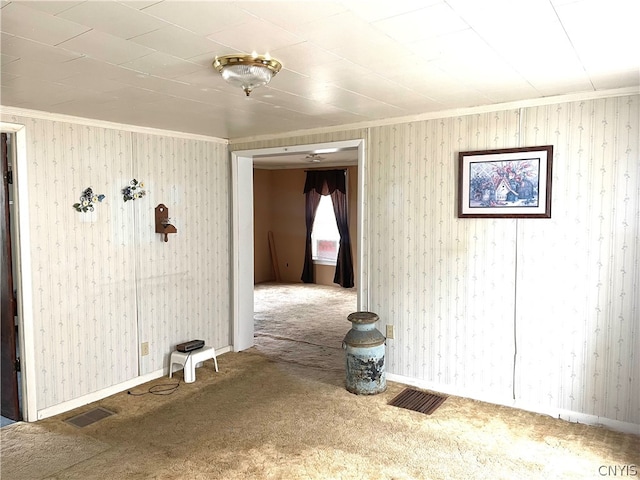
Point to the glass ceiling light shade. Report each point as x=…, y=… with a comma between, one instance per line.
x=247, y=71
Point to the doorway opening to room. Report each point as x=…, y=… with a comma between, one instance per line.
x=269, y=255
x=303, y=293
x=10, y=340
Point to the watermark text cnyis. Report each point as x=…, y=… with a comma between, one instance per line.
x=618, y=470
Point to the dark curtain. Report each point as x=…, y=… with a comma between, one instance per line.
x=344, y=263
x=329, y=182
x=312, y=200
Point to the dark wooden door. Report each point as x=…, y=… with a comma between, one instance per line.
x=9, y=385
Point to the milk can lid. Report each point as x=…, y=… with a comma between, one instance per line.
x=363, y=317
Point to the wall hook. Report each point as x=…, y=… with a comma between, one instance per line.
x=163, y=222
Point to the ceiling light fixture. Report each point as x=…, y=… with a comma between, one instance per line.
x=314, y=158
x=247, y=71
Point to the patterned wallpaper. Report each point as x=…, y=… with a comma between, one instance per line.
x=184, y=289
x=545, y=312
x=579, y=273
x=84, y=299
x=446, y=285
x=477, y=303
x=104, y=281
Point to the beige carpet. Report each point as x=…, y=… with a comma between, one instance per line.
x=264, y=417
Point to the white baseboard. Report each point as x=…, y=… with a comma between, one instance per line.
x=112, y=390
x=568, y=415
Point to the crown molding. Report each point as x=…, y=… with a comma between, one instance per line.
x=58, y=117
x=457, y=112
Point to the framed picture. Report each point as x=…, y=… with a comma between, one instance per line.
x=507, y=183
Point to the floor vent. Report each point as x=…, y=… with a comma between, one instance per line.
x=417, y=401
x=87, y=418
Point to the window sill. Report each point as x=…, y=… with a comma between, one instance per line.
x=330, y=263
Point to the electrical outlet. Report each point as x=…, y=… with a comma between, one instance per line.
x=144, y=349
x=389, y=331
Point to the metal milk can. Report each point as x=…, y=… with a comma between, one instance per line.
x=364, y=346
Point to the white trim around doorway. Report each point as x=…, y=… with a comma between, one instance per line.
x=242, y=233
x=21, y=241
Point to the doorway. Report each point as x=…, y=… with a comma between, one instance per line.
x=19, y=262
x=9, y=347
x=243, y=238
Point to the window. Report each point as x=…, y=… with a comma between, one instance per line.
x=325, y=238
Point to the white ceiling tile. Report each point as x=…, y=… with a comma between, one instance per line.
x=91, y=81
x=293, y=16
x=113, y=18
x=7, y=80
x=341, y=30
x=52, y=7
x=90, y=66
x=201, y=17
x=605, y=34
x=375, y=87
x=548, y=87
x=374, y=56
x=28, y=69
x=47, y=93
x=429, y=22
x=156, y=84
x=34, y=51
x=20, y=20
x=458, y=44
x=4, y=59
x=137, y=95
x=139, y=4
x=257, y=35
x=374, y=10
x=109, y=71
x=629, y=78
x=485, y=70
x=303, y=56
x=439, y=85
x=102, y=107
x=505, y=13
x=205, y=77
x=335, y=73
x=162, y=65
x=178, y=42
x=108, y=48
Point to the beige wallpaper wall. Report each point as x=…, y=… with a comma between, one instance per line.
x=104, y=281
x=183, y=284
x=543, y=312
x=477, y=303
x=578, y=274
x=83, y=274
x=447, y=285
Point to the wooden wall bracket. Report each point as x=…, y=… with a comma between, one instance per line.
x=163, y=224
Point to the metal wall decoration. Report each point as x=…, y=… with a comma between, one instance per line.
x=88, y=200
x=133, y=191
x=507, y=183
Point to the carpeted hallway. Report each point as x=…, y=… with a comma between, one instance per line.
x=280, y=411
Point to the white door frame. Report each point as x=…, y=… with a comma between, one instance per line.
x=21, y=242
x=242, y=232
